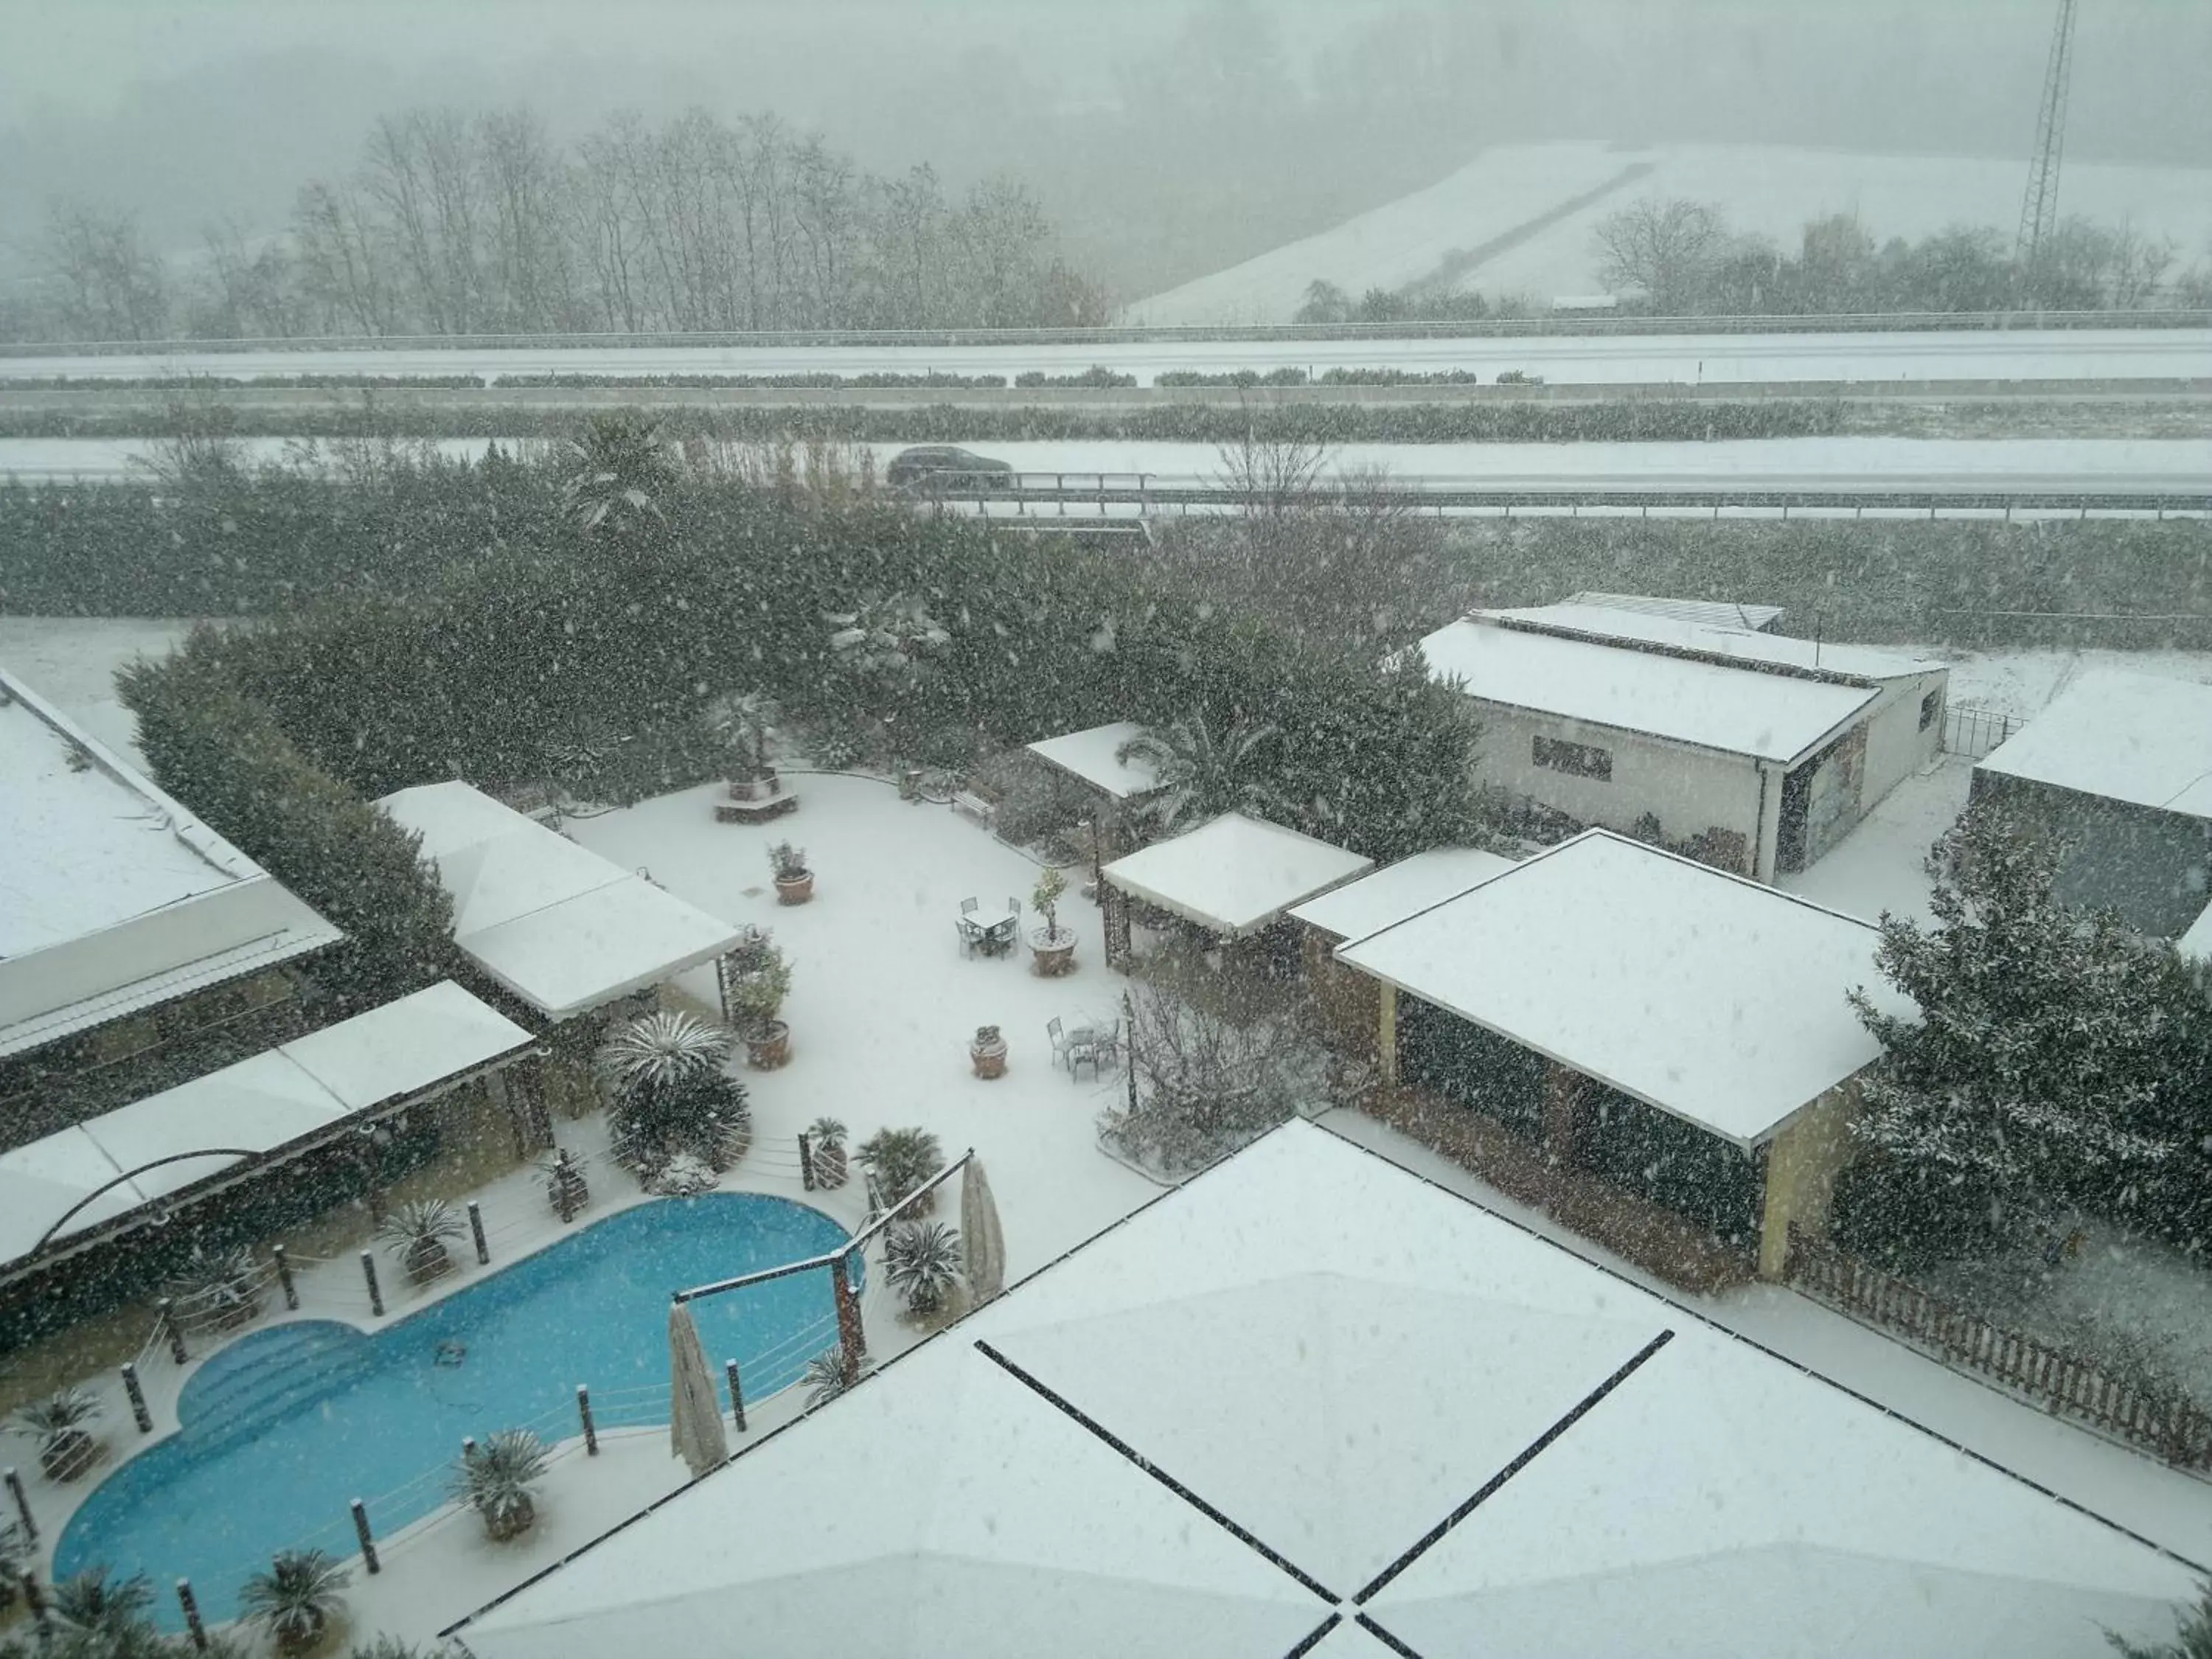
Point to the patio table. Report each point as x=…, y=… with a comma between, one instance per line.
x=996, y=926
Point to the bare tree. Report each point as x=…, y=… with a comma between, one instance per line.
x=108, y=284
x=1661, y=249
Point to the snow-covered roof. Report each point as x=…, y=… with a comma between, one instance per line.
x=1234, y=875
x=2197, y=940
x=113, y=897
x=2133, y=737
x=1093, y=757
x=1398, y=891
x=1713, y=613
x=562, y=927
x=1310, y=1399
x=1735, y=710
x=1706, y=995
x=296, y=1090
x=1733, y=642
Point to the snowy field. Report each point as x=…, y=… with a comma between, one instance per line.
x=1502, y=214
x=1868, y=465
x=2083, y=355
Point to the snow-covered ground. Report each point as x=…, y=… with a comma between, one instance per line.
x=2072, y=355
x=1503, y=207
x=1871, y=466
x=2022, y=682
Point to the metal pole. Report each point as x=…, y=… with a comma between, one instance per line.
x=35, y=1599
x=852, y=1340
x=476, y=1231
x=367, y=1539
x=192, y=1607
x=584, y=1413
x=175, y=1332
x=22, y=1505
x=139, y=1414
x=806, y=1162
x=375, y=1294
x=284, y=1276
x=736, y=1394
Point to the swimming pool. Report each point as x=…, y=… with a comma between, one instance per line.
x=283, y=1427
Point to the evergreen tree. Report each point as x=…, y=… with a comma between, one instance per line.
x=2042, y=1064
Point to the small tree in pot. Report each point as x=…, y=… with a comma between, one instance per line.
x=1052, y=945
x=825, y=1140
x=419, y=1233
x=66, y=1447
x=500, y=1482
x=743, y=721
x=759, y=978
x=901, y=1160
x=922, y=1264
x=295, y=1600
x=794, y=882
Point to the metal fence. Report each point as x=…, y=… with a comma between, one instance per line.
x=1974, y=732
x=2160, y=1421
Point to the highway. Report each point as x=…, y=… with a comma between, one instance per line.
x=2103, y=355
x=1854, y=476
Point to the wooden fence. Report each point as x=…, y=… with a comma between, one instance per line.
x=2158, y=1420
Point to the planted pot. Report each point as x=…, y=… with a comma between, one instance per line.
x=65, y=1453
x=511, y=1518
x=770, y=1048
x=425, y=1259
x=566, y=1188
x=794, y=890
x=987, y=1053
x=1052, y=952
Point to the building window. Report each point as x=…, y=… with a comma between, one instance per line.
x=1583, y=759
x=1931, y=709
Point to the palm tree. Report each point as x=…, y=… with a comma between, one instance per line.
x=294, y=1600
x=922, y=1260
x=1200, y=776
x=498, y=1479
x=614, y=473
x=664, y=1050
x=88, y=1603
x=671, y=1092
x=825, y=1377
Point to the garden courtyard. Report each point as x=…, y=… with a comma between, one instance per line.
x=884, y=1004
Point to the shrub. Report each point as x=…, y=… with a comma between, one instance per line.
x=91, y=1603
x=901, y=1160
x=671, y=1093
x=921, y=1261
x=825, y=1377
x=419, y=1233
x=500, y=1482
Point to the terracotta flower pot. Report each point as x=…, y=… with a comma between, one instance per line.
x=66, y=1454
x=1053, y=953
x=987, y=1053
x=794, y=890
x=425, y=1259
x=771, y=1048
x=512, y=1521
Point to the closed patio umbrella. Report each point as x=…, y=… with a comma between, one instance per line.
x=982, y=1245
x=694, y=1414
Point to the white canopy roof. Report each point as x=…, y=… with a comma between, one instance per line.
x=1737, y=710
x=1717, y=613
x=278, y=1098
x=113, y=898
x=1318, y=1359
x=1398, y=891
x=562, y=927
x=1234, y=875
x=1094, y=758
x=2132, y=737
x=2198, y=941
x=1698, y=992
x=1737, y=641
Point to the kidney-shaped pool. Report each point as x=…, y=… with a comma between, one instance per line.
x=282, y=1429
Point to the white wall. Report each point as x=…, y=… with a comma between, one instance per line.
x=1896, y=746
x=1688, y=790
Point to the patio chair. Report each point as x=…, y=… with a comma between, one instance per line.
x=1107, y=1045
x=1082, y=1047
x=1052, y=1029
x=971, y=934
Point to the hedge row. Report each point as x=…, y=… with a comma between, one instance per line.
x=1633, y=420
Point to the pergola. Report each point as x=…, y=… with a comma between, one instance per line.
x=1233, y=877
x=1092, y=758
x=114, y=1171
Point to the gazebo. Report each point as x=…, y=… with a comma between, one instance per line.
x=1093, y=759
x=1232, y=877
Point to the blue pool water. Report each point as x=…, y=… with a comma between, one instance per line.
x=283, y=1427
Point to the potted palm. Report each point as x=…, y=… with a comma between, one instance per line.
x=794, y=882
x=743, y=722
x=921, y=1261
x=419, y=1233
x=295, y=1598
x=66, y=1447
x=825, y=1138
x=565, y=1187
x=218, y=1289
x=901, y=1160
x=115, y=1614
x=499, y=1481
x=1051, y=946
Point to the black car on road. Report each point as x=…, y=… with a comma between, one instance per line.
x=913, y=468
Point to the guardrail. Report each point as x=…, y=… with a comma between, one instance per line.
x=1550, y=322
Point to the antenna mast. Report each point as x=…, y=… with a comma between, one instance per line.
x=2039, y=209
